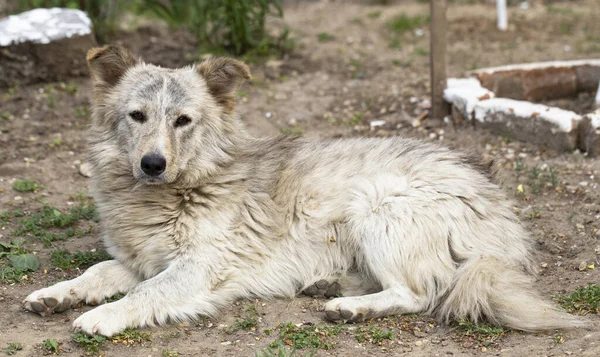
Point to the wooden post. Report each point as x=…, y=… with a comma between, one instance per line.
x=438, y=30
x=597, y=100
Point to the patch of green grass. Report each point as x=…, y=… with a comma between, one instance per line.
x=90, y=344
x=172, y=335
x=65, y=260
x=71, y=88
x=374, y=14
x=249, y=320
x=307, y=336
x=396, y=43
x=13, y=347
x=11, y=92
x=282, y=351
x=51, y=346
x=373, y=334
x=325, y=37
x=6, y=115
x=292, y=131
x=82, y=112
x=169, y=353
x=479, y=331
x=560, y=10
x=566, y=27
x=25, y=185
x=39, y=224
x=421, y=51
x=50, y=95
x=404, y=23
x=357, y=119
x=131, y=337
x=356, y=68
x=582, y=301
x=56, y=142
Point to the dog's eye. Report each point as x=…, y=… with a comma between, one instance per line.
x=138, y=116
x=182, y=120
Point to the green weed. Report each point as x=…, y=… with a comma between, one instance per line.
x=51, y=346
x=39, y=224
x=325, y=37
x=25, y=185
x=307, y=336
x=13, y=347
x=479, y=331
x=65, y=260
x=404, y=23
x=373, y=334
x=90, y=344
x=582, y=301
x=131, y=337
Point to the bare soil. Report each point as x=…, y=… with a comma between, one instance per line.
x=362, y=72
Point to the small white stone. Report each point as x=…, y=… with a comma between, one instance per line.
x=18, y=198
x=377, y=123
x=85, y=169
x=268, y=115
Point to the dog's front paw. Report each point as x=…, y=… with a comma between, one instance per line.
x=48, y=300
x=347, y=309
x=106, y=320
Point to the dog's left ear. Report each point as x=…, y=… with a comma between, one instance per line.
x=223, y=76
x=108, y=64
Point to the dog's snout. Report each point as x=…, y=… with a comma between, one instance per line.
x=153, y=165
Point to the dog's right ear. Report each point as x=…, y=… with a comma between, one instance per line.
x=108, y=64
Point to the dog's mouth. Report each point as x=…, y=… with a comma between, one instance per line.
x=149, y=180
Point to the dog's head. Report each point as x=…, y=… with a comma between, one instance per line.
x=167, y=121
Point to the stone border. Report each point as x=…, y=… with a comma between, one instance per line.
x=483, y=100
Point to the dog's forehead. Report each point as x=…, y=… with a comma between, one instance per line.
x=148, y=82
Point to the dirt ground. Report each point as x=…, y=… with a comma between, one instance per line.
x=348, y=69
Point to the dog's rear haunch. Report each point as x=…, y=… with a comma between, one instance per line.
x=197, y=214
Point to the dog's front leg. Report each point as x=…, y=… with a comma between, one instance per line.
x=100, y=281
x=178, y=293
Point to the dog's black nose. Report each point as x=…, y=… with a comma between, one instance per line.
x=153, y=165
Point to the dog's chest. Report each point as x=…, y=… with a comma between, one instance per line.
x=146, y=235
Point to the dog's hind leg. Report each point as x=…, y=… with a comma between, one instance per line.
x=393, y=248
x=395, y=300
x=99, y=282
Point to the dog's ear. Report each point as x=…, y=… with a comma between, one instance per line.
x=223, y=76
x=108, y=64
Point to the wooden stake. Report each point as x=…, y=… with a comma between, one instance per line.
x=438, y=29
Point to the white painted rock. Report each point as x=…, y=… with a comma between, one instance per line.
x=464, y=94
x=43, y=45
x=535, y=123
x=44, y=26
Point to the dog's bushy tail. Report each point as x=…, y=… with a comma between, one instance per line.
x=486, y=288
